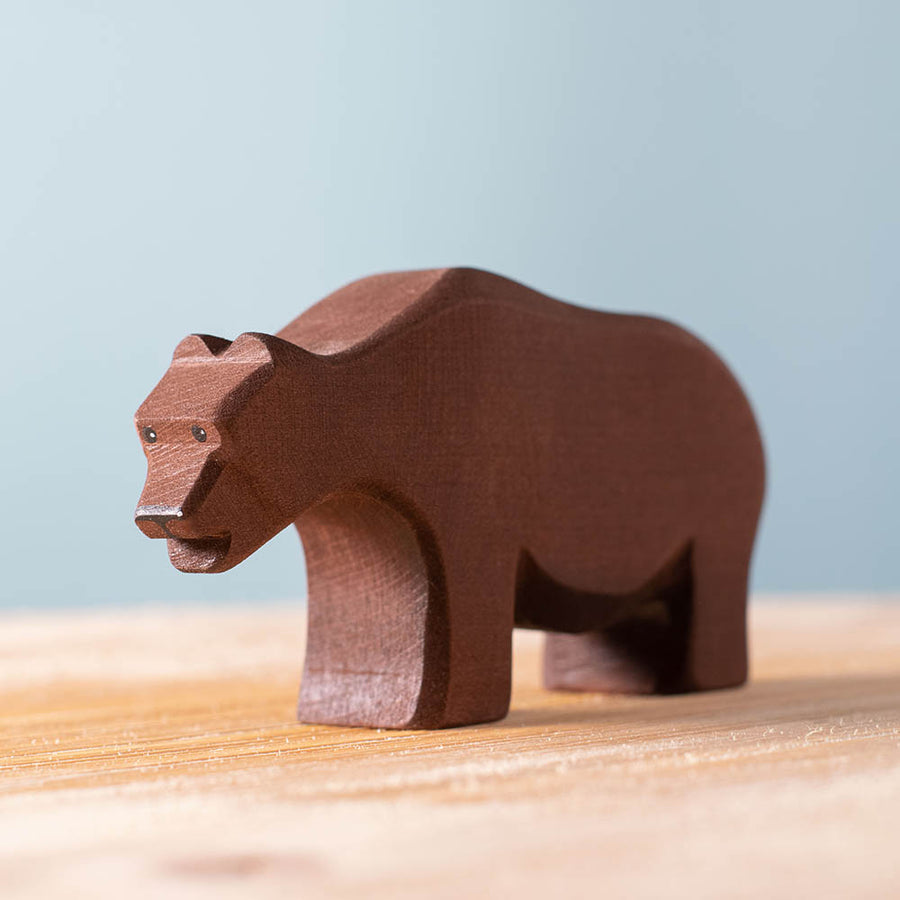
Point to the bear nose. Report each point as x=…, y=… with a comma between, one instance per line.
x=154, y=520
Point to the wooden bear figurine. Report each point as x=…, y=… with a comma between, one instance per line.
x=461, y=455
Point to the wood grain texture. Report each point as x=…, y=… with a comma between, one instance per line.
x=462, y=454
x=155, y=754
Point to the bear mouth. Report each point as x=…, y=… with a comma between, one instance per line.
x=199, y=554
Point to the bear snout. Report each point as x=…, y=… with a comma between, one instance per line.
x=154, y=521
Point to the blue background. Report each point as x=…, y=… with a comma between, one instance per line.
x=172, y=167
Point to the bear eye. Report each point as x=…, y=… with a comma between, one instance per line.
x=198, y=433
x=149, y=434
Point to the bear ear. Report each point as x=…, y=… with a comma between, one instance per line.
x=266, y=349
x=200, y=346
x=251, y=346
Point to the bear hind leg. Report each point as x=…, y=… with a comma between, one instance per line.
x=684, y=630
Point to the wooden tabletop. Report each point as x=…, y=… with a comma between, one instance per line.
x=154, y=753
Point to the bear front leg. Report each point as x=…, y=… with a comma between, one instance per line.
x=371, y=603
x=403, y=631
x=467, y=642
x=480, y=599
x=358, y=672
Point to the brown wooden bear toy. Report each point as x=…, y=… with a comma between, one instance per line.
x=462, y=454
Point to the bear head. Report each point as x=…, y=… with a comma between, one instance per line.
x=211, y=443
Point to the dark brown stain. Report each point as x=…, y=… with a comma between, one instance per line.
x=461, y=454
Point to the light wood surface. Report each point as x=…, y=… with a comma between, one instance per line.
x=154, y=754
